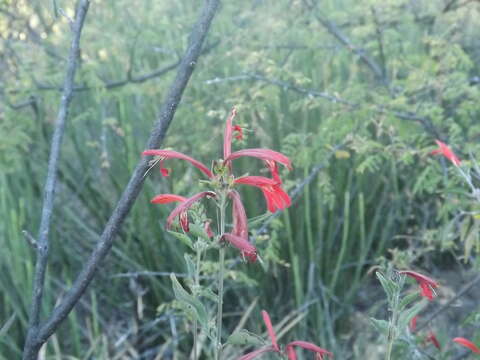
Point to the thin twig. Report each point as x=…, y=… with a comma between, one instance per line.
x=445, y=306
x=425, y=122
x=134, y=186
x=338, y=34
x=42, y=245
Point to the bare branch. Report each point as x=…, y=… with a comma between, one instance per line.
x=340, y=36
x=134, y=186
x=31, y=348
x=410, y=116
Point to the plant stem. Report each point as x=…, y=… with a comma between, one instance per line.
x=221, y=274
x=196, y=287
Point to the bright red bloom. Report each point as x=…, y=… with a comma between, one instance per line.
x=264, y=154
x=433, y=339
x=271, y=332
x=184, y=206
x=468, y=344
x=445, y=150
x=275, y=196
x=170, y=154
x=227, y=136
x=167, y=198
x=319, y=352
x=240, y=222
x=247, y=249
x=426, y=283
x=413, y=324
x=239, y=132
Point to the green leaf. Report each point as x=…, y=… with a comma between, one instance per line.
x=183, y=238
x=198, y=310
x=407, y=315
x=244, y=337
x=191, y=268
x=198, y=231
x=381, y=325
x=407, y=300
x=388, y=285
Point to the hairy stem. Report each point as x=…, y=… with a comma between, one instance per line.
x=196, y=287
x=221, y=274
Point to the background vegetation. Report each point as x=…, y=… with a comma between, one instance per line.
x=358, y=90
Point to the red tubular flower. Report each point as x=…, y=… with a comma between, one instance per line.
x=227, y=135
x=254, y=354
x=239, y=132
x=433, y=339
x=247, y=249
x=271, y=332
x=413, y=324
x=170, y=154
x=445, y=150
x=264, y=154
x=426, y=283
x=184, y=206
x=275, y=196
x=468, y=344
x=167, y=198
x=240, y=222
x=319, y=352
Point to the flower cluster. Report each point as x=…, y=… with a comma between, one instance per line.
x=289, y=348
x=223, y=182
x=427, y=285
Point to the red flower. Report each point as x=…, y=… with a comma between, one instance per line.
x=445, y=150
x=238, y=129
x=167, y=198
x=247, y=249
x=468, y=344
x=264, y=154
x=275, y=196
x=240, y=222
x=170, y=154
x=433, y=339
x=319, y=352
x=426, y=283
x=184, y=206
x=271, y=332
x=413, y=324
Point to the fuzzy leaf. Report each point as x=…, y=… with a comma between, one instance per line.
x=244, y=337
x=198, y=310
x=183, y=238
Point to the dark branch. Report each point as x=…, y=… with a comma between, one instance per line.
x=360, y=52
x=133, y=187
x=423, y=121
x=42, y=244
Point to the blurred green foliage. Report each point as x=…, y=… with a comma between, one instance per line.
x=298, y=90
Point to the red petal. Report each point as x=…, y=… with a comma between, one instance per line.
x=273, y=167
x=240, y=222
x=243, y=245
x=426, y=291
x=271, y=332
x=413, y=324
x=238, y=129
x=264, y=154
x=291, y=353
x=447, y=152
x=167, y=198
x=170, y=154
x=208, y=229
x=185, y=205
x=309, y=346
x=468, y=344
x=433, y=339
x=227, y=136
x=258, y=181
x=426, y=283
x=254, y=354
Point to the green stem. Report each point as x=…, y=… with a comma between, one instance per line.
x=197, y=285
x=221, y=275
